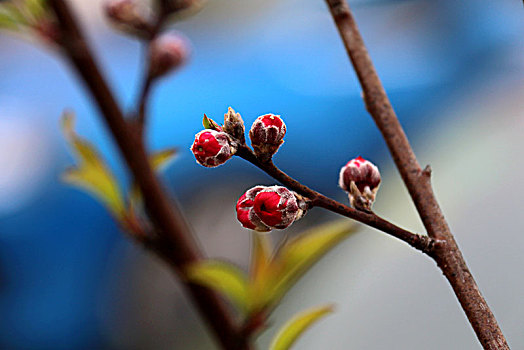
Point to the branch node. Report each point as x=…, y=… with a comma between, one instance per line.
x=427, y=171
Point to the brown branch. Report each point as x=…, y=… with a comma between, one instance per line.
x=420, y=242
x=175, y=244
x=447, y=254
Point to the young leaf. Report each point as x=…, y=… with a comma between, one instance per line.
x=161, y=159
x=223, y=277
x=91, y=173
x=209, y=123
x=294, y=328
x=260, y=269
x=295, y=257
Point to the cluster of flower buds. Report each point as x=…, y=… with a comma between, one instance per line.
x=167, y=52
x=265, y=208
x=267, y=134
x=361, y=179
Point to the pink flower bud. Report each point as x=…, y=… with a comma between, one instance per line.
x=167, y=52
x=267, y=134
x=127, y=15
x=246, y=214
x=361, y=179
x=212, y=148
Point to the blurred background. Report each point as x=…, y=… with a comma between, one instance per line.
x=455, y=74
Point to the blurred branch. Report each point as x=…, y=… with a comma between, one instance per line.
x=418, y=182
x=174, y=242
x=420, y=242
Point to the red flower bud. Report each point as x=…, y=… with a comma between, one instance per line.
x=267, y=134
x=168, y=51
x=245, y=213
x=276, y=206
x=264, y=208
x=212, y=148
x=361, y=179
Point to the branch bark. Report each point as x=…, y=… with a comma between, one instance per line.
x=447, y=255
x=174, y=243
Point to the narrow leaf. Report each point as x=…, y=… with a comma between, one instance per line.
x=223, y=277
x=91, y=173
x=296, y=256
x=210, y=123
x=161, y=159
x=295, y=327
x=260, y=273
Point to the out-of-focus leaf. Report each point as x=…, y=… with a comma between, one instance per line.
x=223, y=277
x=15, y=11
x=91, y=173
x=295, y=257
x=260, y=269
x=289, y=333
x=35, y=7
x=10, y=16
x=161, y=159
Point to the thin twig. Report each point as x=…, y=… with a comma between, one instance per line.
x=418, y=182
x=420, y=242
x=148, y=79
x=143, y=98
x=175, y=244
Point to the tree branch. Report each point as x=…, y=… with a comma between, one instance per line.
x=420, y=242
x=175, y=243
x=447, y=254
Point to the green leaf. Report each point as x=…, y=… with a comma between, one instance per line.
x=223, y=277
x=295, y=257
x=210, y=123
x=161, y=159
x=35, y=7
x=260, y=272
x=91, y=173
x=10, y=17
x=294, y=328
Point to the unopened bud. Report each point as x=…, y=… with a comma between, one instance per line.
x=234, y=125
x=264, y=208
x=361, y=179
x=167, y=52
x=212, y=148
x=127, y=15
x=245, y=212
x=267, y=134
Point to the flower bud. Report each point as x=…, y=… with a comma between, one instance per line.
x=234, y=125
x=277, y=207
x=246, y=214
x=267, y=134
x=212, y=148
x=167, y=52
x=361, y=179
x=264, y=208
x=127, y=15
